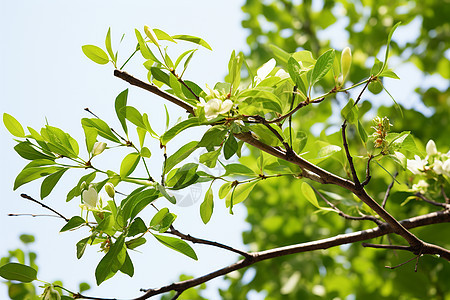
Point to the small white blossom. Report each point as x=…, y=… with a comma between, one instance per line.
x=215, y=107
x=431, y=148
x=417, y=165
x=265, y=70
x=437, y=167
x=90, y=197
x=421, y=186
x=282, y=74
x=446, y=168
x=99, y=147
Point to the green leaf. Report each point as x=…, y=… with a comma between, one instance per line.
x=294, y=70
x=13, y=125
x=90, y=137
x=322, y=66
x=309, y=194
x=386, y=56
x=183, y=55
x=180, y=155
x=375, y=87
x=50, y=181
x=112, y=261
x=145, y=152
x=27, y=151
x=134, y=243
x=137, y=227
x=300, y=141
x=225, y=189
x=133, y=115
x=175, y=130
x=177, y=245
x=108, y=45
x=238, y=169
x=213, y=136
x=81, y=246
x=74, y=222
x=96, y=54
x=192, y=39
x=350, y=111
x=27, y=238
x=362, y=132
x=120, y=103
x=328, y=151
x=389, y=73
x=102, y=128
x=127, y=267
x=240, y=193
x=160, y=75
x=161, y=35
x=207, y=206
x=148, y=127
x=129, y=164
x=209, y=159
x=183, y=177
x=165, y=194
x=230, y=147
x=32, y=173
x=145, y=51
x=162, y=220
x=19, y=272
x=281, y=55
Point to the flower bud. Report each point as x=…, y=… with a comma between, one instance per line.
x=109, y=188
x=346, y=62
x=99, y=147
x=151, y=35
x=431, y=148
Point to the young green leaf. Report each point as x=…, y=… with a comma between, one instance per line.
x=180, y=155
x=137, y=227
x=161, y=35
x=96, y=54
x=129, y=163
x=50, y=181
x=192, y=39
x=165, y=194
x=160, y=75
x=102, y=128
x=322, y=66
x=74, y=222
x=309, y=194
x=362, y=132
x=207, y=206
x=350, y=111
x=81, y=246
x=294, y=70
x=108, y=45
x=145, y=51
x=238, y=169
x=112, y=261
x=19, y=272
x=13, y=125
x=240, y=193
x=133, y=115
x=120, y=103
x=127, y=267
x=209, y=159
x=177, y=245
x=32, y=173
x=386, y=56
x=175, y=130
x=214, y=136
x=27, y=151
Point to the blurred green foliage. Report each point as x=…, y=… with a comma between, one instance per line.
x=277, y=212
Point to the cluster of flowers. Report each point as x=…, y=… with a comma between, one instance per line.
x=382, y=127
x=434, y=164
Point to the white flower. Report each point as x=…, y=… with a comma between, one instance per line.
x=282, y=74
x=417, y=165
x=215, y=107
x=437, y=167
x=90, y=197
x=431, y=148
x=99, y=147
x=421, y=186
x=265, y=70
x=446, y=168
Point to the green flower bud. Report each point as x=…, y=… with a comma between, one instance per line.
x=109, y=188
x=151, y=35
x=99, y=147
x=346, y=62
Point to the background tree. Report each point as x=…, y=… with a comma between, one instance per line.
x=354, y=270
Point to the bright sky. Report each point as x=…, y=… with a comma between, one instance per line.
x=44, y=74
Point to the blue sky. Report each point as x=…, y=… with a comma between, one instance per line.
x=46, y=75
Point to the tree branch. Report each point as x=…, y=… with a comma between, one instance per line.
x=388, y=191
x=153, y=89
x=421, y=196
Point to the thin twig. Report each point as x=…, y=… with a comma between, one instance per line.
x=349, y=157
x=381, y=246
x=368, y=177
x=290, y=113
x=388, y=191
x=195, y=240
x=446, y=198
x=44, y=206
x=344, y=215
x=32, y=215
x=421, y=196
